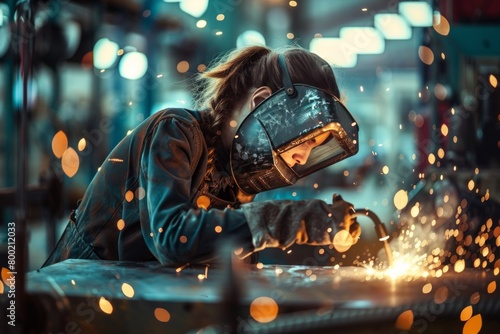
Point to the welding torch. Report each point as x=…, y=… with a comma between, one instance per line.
x=379, y=226
x=379, y=229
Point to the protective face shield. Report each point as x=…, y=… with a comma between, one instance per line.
x=297, y=131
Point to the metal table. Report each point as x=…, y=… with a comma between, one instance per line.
x=86, y=296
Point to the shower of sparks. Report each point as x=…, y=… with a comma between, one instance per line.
x=404, y=266
x=438, y=233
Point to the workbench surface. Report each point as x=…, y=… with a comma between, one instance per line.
x=111, y=296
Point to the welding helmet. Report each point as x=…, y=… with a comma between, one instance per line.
x=293, y=115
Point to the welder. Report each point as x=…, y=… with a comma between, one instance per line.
x=184, y=180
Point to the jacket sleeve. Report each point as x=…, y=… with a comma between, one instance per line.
x=176, y=232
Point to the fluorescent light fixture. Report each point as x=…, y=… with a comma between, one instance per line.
x=364, y=40
x=194, y=8
x=418, y=13
x=392, y=26
x=334, y=50
x=5, y=41
x=5, y=33
x=105, y=53
x=73, y=33
x=250, y=37
x=133, y=65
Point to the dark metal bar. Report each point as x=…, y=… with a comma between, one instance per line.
x=26, y=39
x=9, y=106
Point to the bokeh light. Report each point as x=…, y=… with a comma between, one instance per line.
x=105, y=305
x=264, y=309
x=70, y=162
x=59, y=144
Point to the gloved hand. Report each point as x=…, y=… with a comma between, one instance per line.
x=350, y=230
x=312, y=222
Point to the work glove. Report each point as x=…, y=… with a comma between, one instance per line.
x=312, y=222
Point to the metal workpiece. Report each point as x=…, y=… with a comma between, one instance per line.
x=127, y=297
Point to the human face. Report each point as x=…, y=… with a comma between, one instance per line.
x=300, y=153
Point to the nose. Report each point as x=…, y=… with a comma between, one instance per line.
x=301, y=155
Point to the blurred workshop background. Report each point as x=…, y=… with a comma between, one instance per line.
x=419, y=76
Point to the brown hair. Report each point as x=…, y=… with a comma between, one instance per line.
x=227, y=83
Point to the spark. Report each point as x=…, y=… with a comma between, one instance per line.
x=179, y=269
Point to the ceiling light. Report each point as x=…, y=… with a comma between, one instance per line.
x=105, y=53
x=133, y=65
x=364, y=40
x=73, y=33
x=250, y=37
x=392, y=26
x=5, y=31
x=194, y=8
x=418, y=13
x=334, y=50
